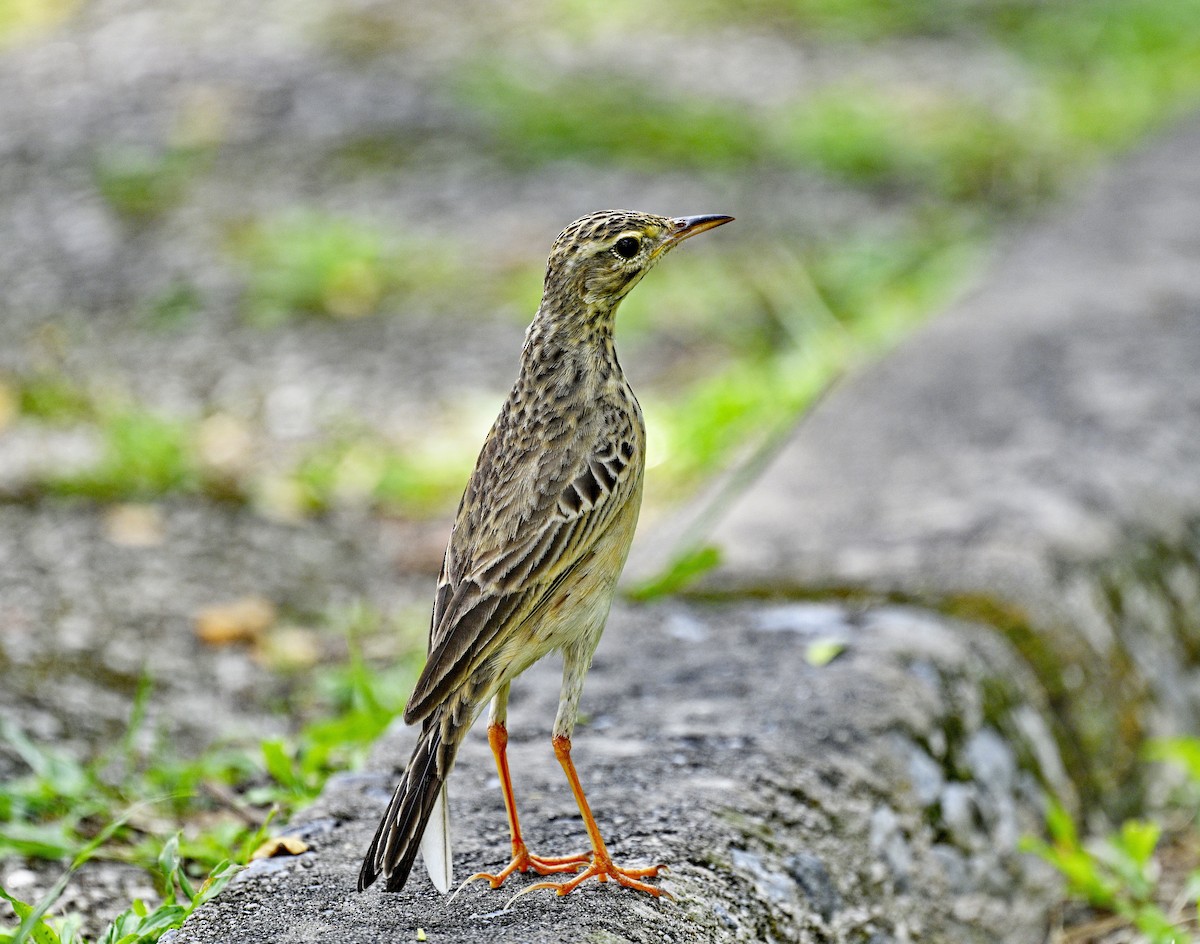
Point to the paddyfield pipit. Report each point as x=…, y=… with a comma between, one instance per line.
x=539, y=540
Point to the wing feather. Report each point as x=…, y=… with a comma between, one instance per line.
x=488, y=588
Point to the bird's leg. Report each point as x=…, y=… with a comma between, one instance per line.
x=602, y=866
x=576, y=660
x=522, y=859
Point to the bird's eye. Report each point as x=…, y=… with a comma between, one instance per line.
x=627, y=247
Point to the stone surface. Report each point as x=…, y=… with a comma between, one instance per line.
x=778, y=792
x=1030, y=459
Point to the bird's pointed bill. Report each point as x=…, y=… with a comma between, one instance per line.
x=686, y=226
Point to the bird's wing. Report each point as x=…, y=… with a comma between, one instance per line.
x=518, y=532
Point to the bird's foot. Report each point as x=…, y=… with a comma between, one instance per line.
x=523, y=861
x=602, y=869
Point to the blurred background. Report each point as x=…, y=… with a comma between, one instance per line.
x=265, y=271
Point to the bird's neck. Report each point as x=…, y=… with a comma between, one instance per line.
x=580, y=341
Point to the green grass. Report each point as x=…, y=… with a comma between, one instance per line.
x=307, y=264
x=145, y=455
x=53, y=399
x=312, y=264
x=144, y=805
x=1115, y=70
x=144, y=185
x=57, y=808
x=685, y=568
x=610, y=120
x=1101, y=75
x=934, y=143
x=1109, y=70
x=173, y=306
x=139, y=923
x=1144, y=873
x=950, y=148
x=364, y=471
x=22, y=19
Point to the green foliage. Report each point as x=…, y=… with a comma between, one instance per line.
x=145, y=456
x=51, y=398
x=682, y=571
x=1183, y=752
x=1117, y=875
x=1123, y=872
x=58, y=807
x=41, y=813
x=1114, y=69
x=22, y=18
x=862, y=135
x=820, y=652
x=174, y=305
x=308, y=263
x=1102, y=73
x=143, y=185
x=67, y=808
x=138, y=924
x=357, y=704
x=852, y=19
x=610, y=120
x=953, y=148
x=363, y=470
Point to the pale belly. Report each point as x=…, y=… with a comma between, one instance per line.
x=574, y=617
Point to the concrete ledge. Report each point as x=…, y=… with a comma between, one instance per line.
x=877, y=798
x=1031, y=459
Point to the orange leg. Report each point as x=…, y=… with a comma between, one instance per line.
x=522, y=858
x=602, y=866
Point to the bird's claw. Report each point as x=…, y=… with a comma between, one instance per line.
x=602, y=871
x=524, y=861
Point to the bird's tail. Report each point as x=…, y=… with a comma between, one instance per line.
x=420, y=792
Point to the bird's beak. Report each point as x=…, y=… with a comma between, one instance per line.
x=685, y=226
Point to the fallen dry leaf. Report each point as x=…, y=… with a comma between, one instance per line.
x=280, y=845
x=821, y=652
x=290, y=647
x=9, y=405
x=134, y=525
x=280, y=499
x=243, y=620
x=225, y=444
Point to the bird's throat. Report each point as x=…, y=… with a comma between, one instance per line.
x=575, y=349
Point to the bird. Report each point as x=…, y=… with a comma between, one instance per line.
x=537, y=544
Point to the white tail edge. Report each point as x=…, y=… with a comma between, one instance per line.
x=435, y=845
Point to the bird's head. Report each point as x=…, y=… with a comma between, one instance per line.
x=600, y=257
